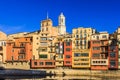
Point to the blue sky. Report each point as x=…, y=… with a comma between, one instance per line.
x=26, y=15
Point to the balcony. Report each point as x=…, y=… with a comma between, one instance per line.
x=77, y=44
x=51, y=45
x=51, y=51
x=43, y=44
x=104, y=45
x=22, y=51
x=83, y=38
x=99, y=62
x=19, y=46
x=43, y=40
x=104, y=51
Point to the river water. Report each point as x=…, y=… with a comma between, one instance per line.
x=57, y=78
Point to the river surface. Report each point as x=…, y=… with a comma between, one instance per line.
x=57, y=78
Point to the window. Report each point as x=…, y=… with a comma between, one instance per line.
x=12, y=50
x=104, y=36
x=84, y=59
x=112, y=63
x=12, y=58
x=43, y=38
x=112, y=47
x=67, y=43
x=42, y=56
x=76, y=47
x=21, y=56
x=112, y=54
x=77, y=36
x=37, y=38
x=67, y=49
x=48, y=63
x=80, y=36
x=85, y=35
x=76, y=31
x=67, y=62
x=84, y=63
x=96, y=42
x=35, y=63
x=97, y=37
x=51, y=50
x=85, y=42
x=96, y=55
x=22, y=45
x=43, y=44
x=22, y=51
x=60, y=56
x=67, y=56
x=81, y=43
x=37, y=43
x=76, y=54
x=47, y=24
x=96, y=48
x=77, y=43
x=40, y=63
x=81, y=31
x=46, y=29
x=43, y=49
x=1, y=48
x=84, y=54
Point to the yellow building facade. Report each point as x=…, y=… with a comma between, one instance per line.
x=81, y=47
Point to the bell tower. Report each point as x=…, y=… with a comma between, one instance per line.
x=61, y=26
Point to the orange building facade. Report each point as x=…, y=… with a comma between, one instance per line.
x=68, y=53
x=19, y=50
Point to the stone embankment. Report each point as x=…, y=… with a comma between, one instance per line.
x=78, y=72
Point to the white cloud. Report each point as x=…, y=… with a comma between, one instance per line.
x=11, y=29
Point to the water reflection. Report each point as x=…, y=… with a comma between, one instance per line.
x=56, y=78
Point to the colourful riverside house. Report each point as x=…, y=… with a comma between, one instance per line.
x=59, y=49
x=99, y=51
x=118, y=43
x=46, y=50
x=68, y=51
x=113, y=53
x=3, y=38
x=81, y=47
x=19, y=53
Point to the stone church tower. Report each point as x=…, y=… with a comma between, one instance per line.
x=61, y=26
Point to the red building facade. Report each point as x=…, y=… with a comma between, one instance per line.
x=99, y=51
x=113, y=54
x=68, y=53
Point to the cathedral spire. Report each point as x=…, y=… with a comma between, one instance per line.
x=61, y=24
x=47, y=16
x=61, y=19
